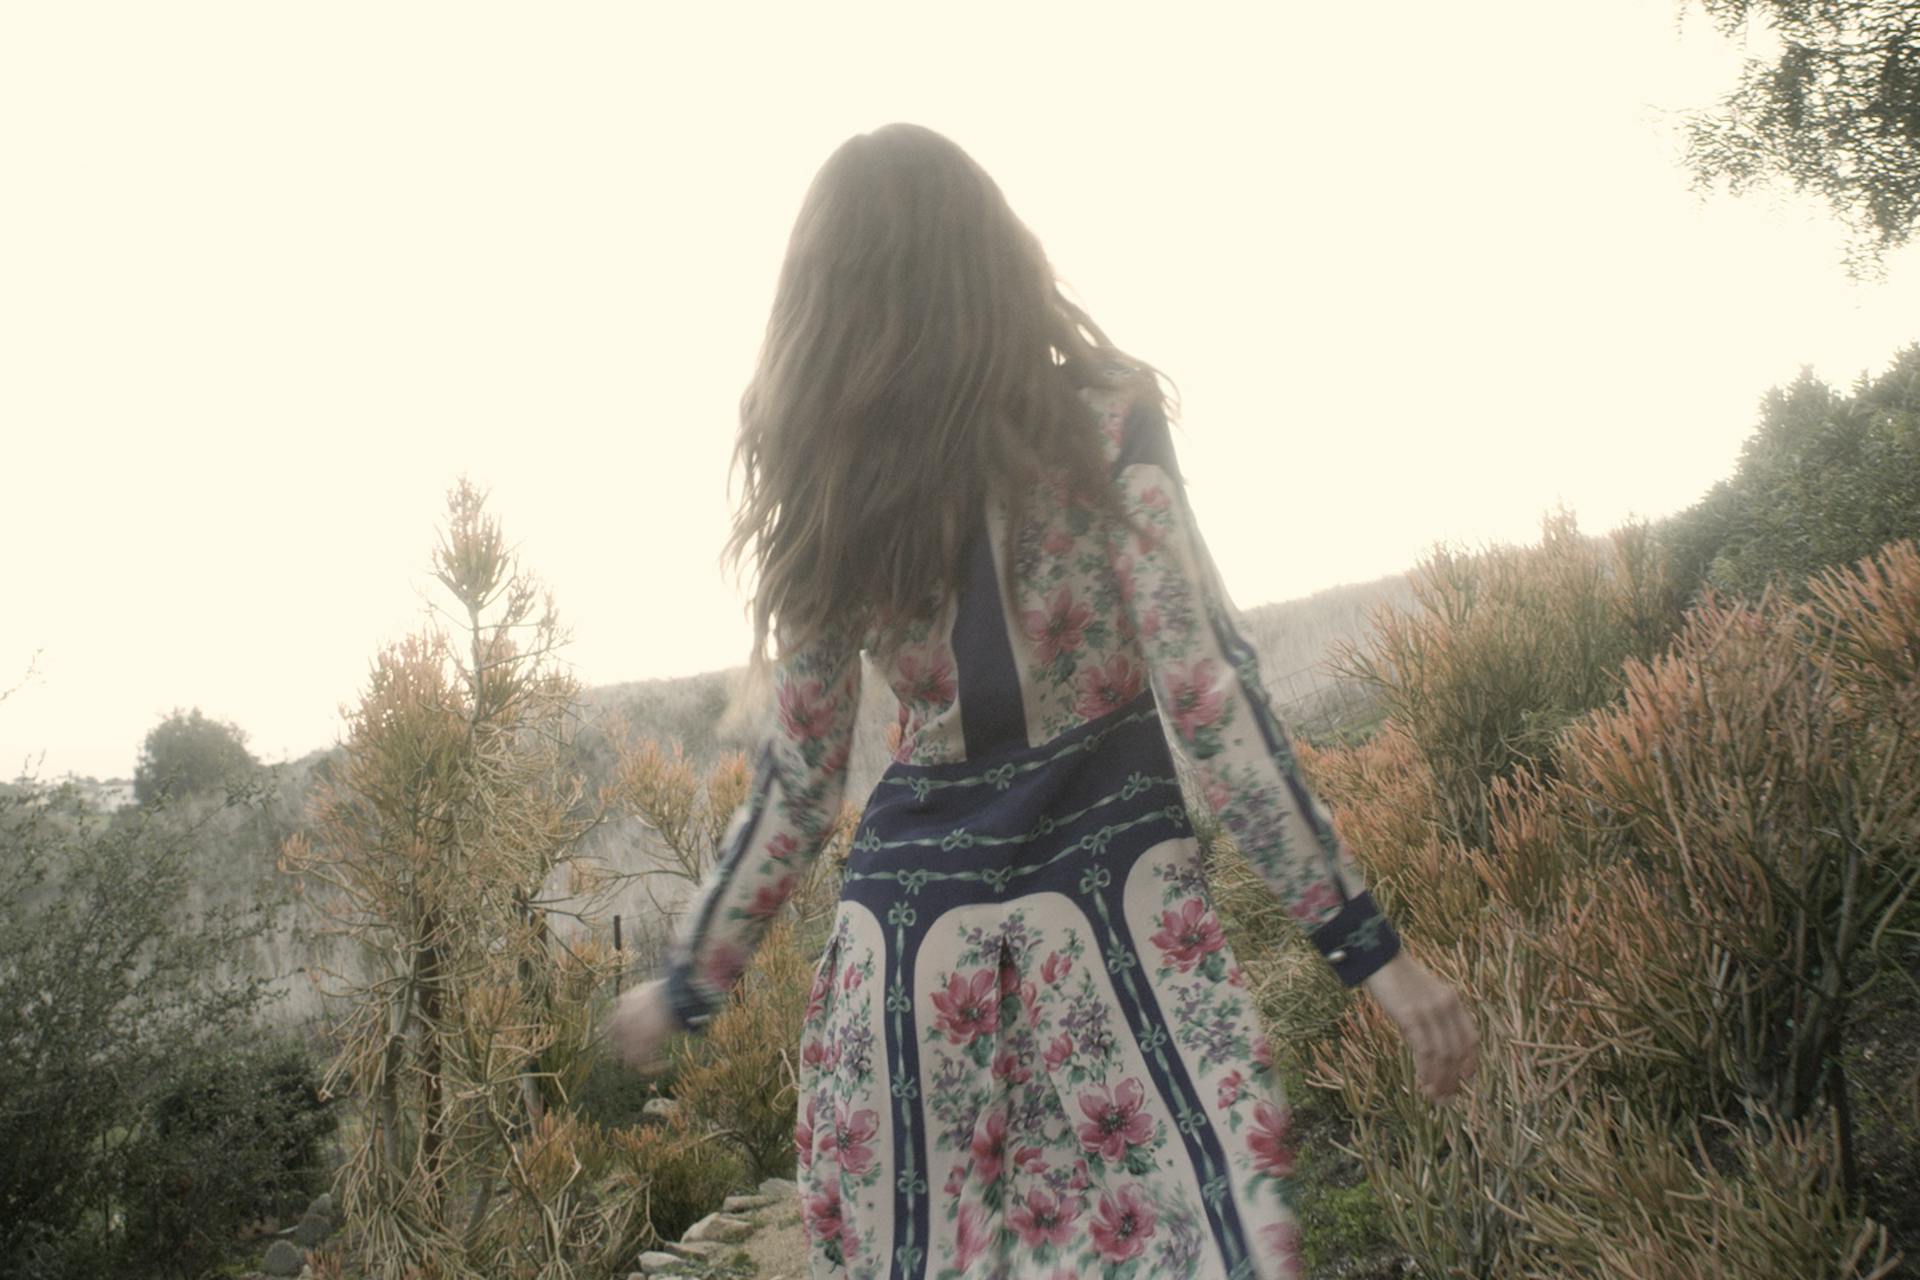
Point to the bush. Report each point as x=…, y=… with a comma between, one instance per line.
x=237, y=1134
x=683, y=1173
x=109, y=984
x=1825, y=479
x=1508, y=646
x=738, y=1078
x=1683, y=916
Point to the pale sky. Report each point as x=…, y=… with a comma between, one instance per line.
x=272, y=277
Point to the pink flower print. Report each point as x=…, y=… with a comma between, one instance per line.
x=769, y=898
x=1057, y=542
x=814, y=1053
x=1230, y=1089
x=1155, y=499
x=836, y=760
x=1263, y=1052
x=1006, y=1066
x=1268, y=1139
x=956, y=1180
x=782, y=847
x=1044, y=1218
x=1195, y=692
x=1123, y=1224
x=817, y=997
x=973, y=1237
x=1054, y=968
x=1237, y=977
x=1059, y=1051
x=1115, y=1119
x=990, y=1145
x=852, y=1134
x=851, y=980
x=1150, y=623
x=803, y=1134
x=1283, y=1241
x=927, y=678
x=821, y=1209
x=1188, y=935
x=1317, y=897
x=723, y=964
x=1031, y=1160
x=1059, y=628
x=969, y=1007
x=1123, y=576
x=806, y=712
x=1082, y=1177
x=1219, y=795
x=1106, y=686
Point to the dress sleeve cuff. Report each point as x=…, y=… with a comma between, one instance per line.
x=1358, y=941
x=693, y=1006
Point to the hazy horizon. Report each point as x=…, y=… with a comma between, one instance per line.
x=277, y=278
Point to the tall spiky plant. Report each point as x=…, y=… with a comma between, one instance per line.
x=451, y=838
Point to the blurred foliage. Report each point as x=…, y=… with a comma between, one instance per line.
x=1825, y=479
x=1836, y=112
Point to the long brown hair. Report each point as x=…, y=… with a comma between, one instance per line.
x=920, y=358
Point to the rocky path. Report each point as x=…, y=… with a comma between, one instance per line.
x=750, y=1237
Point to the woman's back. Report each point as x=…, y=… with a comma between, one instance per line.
x=1013, y=662
x=1028, y=1047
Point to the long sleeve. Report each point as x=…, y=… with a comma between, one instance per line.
x=800, y=774
x=1206, y=682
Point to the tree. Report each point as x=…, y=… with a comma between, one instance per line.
x=190, y=754
x=1826, y=479
x=451, y=834
x=1837, y=113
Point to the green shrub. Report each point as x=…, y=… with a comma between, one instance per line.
x=236, y=1135
x=109, y=982
x=1825, y=479
x=683, y=1172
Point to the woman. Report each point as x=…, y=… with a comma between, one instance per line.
x=1028, y=1051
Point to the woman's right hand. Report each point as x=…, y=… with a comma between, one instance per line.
x=1434, y=1021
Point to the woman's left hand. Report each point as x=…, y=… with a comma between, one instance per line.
x=642, y=1023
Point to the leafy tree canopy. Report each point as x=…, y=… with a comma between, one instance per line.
x=188, y=754
x=1836, y=113
x=1825, y=479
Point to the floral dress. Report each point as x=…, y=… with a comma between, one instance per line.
x=1028, y=1050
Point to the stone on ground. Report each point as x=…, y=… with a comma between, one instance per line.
x=284, y=1258
x=723, y=1227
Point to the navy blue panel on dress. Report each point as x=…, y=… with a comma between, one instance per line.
x=992, y=716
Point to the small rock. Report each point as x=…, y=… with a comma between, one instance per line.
x=312, y=1230
x=745, y=1204
x=780, y=1188
x=284, y=1258
x=655, y=1263
x=722, y=1227
x=697, y=1249
x=322, y=1207
x=660, y=1108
